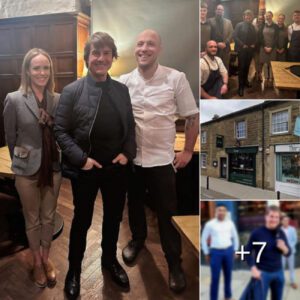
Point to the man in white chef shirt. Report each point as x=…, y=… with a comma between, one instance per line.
x=219, y=242
x=158, y=95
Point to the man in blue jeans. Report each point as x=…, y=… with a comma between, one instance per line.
x=219, y=243
x=267, y=244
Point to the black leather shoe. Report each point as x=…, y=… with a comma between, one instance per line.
x=72, y=284
x=241, y=91
x=131, y=251
x=177, y=281
x=117, y=273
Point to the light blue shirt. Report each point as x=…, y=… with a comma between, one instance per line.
x=219, y=235
x=292, y=237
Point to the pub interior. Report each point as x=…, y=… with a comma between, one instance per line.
x=62, y=28
x=268, y=76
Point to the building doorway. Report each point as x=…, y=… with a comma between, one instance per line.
x=223, y=167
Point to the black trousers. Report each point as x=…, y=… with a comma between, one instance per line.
x=160, y=183
x=113, y=186
x=244, y=58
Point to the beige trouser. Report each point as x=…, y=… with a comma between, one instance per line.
x=39, y=207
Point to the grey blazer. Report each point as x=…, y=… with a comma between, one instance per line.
x=23, y=133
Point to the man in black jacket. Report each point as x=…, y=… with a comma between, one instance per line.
x=245, y=39
x=95, y=129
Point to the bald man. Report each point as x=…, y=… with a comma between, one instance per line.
x=158, y=94
x=221, y=32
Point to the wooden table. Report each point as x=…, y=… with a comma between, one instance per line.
x=180, y=140
x=284, y=79
x=188, y=226
x=5, y=163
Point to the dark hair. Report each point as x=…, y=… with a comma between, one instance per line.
x=297, y=11
x=99, y=40
x=272, y=208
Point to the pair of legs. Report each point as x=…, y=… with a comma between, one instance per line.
x=112, y=183
x=274, y=281
x=244, y=57
x=39, y=207
x=290, y=261
x=221, y=260
x=160, y=183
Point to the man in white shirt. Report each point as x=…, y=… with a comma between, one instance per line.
x=219, y=242
x=292, y=237
x=294, y=38
x=213, y=74
x=158, y=95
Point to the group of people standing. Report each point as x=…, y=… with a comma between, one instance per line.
x=268, y=250
x=114, y=136
x=260, y=40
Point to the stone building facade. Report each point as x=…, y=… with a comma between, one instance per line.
x=255, y=146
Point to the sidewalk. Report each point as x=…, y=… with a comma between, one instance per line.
x=239, y=281
x=240, y=191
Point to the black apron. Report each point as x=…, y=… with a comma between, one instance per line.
x=294, y=49
x=212, y=85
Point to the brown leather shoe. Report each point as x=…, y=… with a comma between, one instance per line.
x=39, y=276
x=50, y=271
x=294, y=286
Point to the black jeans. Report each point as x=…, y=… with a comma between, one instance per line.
x=112, y=183
x=244, y=57
x=160, y=183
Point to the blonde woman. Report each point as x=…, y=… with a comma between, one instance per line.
x=28, y=121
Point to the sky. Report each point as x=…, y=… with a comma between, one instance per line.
x=208, y=108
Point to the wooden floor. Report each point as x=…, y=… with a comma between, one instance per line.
x=148, y=277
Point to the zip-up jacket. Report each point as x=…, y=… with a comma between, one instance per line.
x=75, y=117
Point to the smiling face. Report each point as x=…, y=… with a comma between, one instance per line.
x=39, y=71
x=221, y=213
x=211, y=48
x=280, y=20
x=99, y=62
x=269, y=17
x=203, y=13
x=248, y=18
x=220, y=11
x=147, y=49
x=272, y=219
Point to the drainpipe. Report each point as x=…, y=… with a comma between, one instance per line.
x=263, y=147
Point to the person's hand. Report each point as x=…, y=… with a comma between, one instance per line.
x=221, y=45
x=252, y=46
x=207, y=258
x=224, y=89
x=282, y=246
x=121, y=159
x=268, y=49
x=90, y=163
x=255, y=273
x=245, y=46
x=235, y=256
x=182, y=159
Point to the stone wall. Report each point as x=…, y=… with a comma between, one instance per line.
x=18, y=8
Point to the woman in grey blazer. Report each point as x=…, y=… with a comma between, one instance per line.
x=28, y=121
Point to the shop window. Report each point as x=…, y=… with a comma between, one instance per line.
x=203, y=137
x=240, y=130
x=280, y=122
x=203, y=160
x=288, y=168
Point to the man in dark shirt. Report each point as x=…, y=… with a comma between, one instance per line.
x=245, y=38
x=205, y=28
x=267, y=244
x=95, y=129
